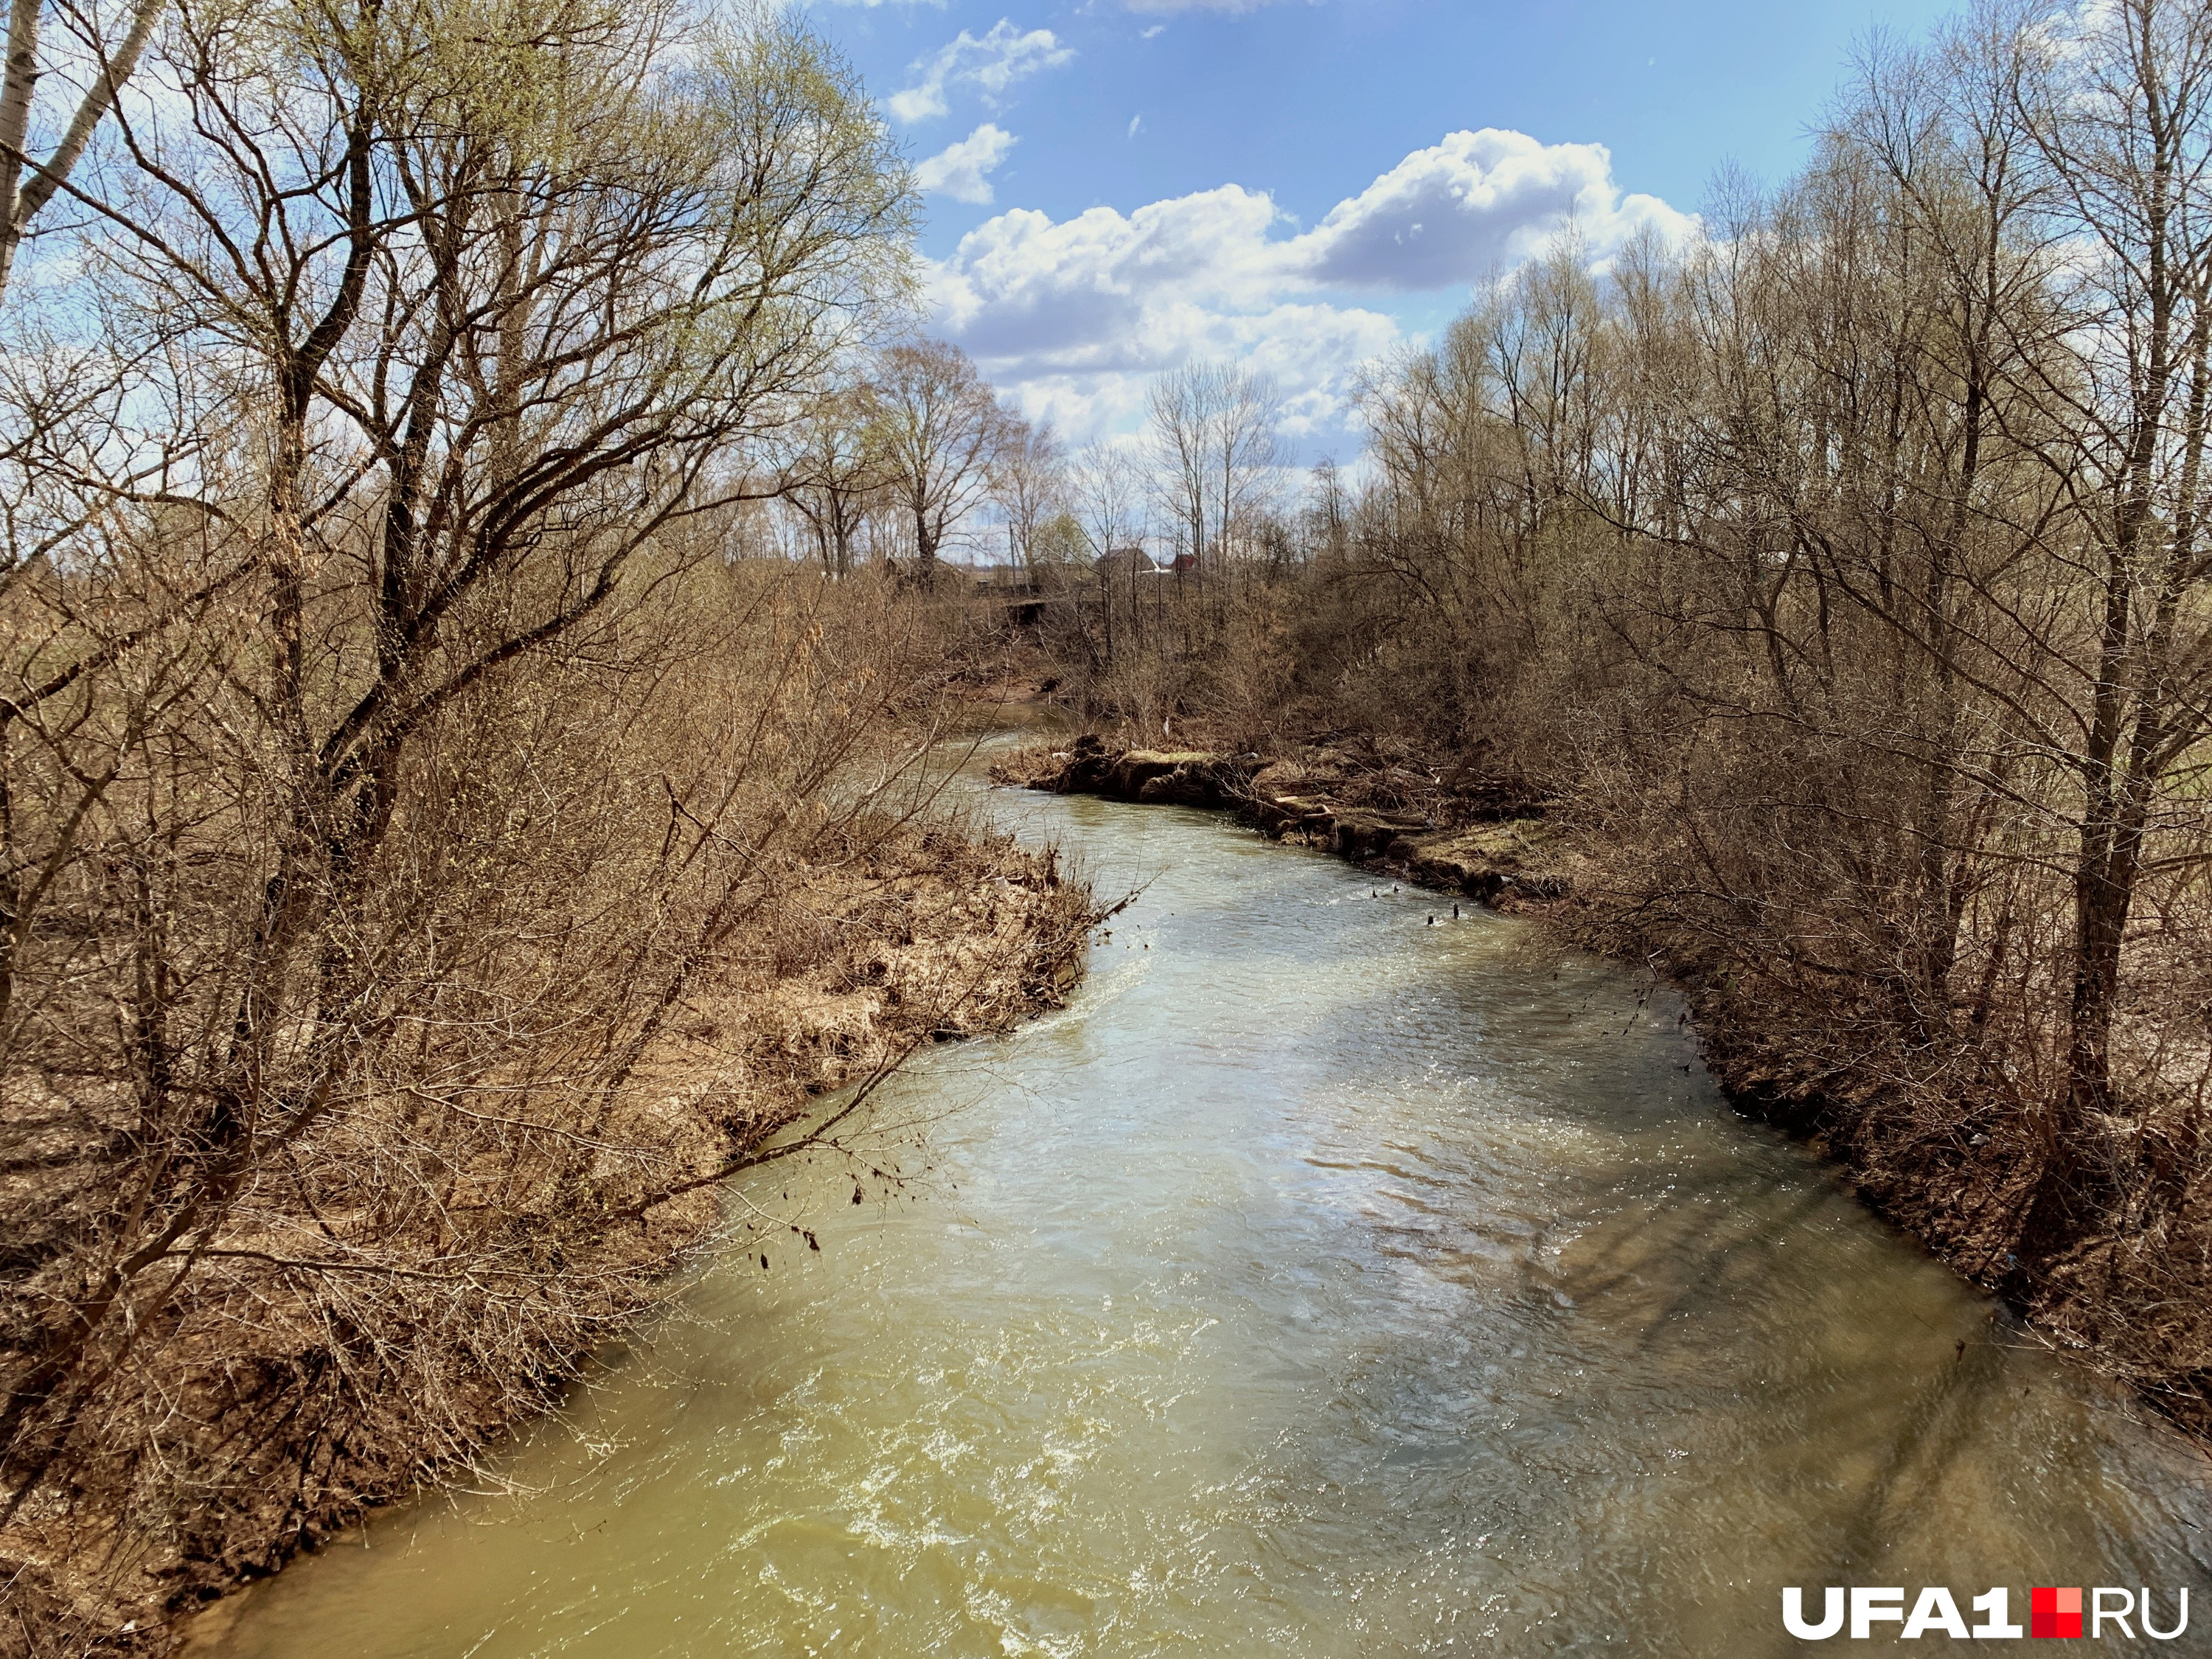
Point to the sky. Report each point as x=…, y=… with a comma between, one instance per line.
x=1116, y=187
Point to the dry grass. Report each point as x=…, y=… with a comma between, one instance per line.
x=293, y=1400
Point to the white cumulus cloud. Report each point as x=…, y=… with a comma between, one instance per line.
x=1075, y=315
x=1091, y=292
x=962, y=170
x=1476, y=201
x=1188, y=5
x=990, y=63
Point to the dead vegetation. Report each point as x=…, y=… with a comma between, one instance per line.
x=604, y=985
x=437, y=846
x=1838, y=588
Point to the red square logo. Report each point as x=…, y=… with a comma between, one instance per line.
x=2054, y=1613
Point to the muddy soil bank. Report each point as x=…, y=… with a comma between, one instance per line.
x=1413, y=824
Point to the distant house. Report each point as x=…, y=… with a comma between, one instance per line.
x=1180, y=563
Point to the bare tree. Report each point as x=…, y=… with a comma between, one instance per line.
x=29, y=185
x=2122, y=119
x=474, y=324
x=835, y=470
x=1107, y=486
x=1215, y=451
x=1029, y=484
x=946, y=434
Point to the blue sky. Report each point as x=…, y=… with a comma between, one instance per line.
x=1115, y=186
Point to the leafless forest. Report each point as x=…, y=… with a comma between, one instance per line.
x=442, y=831
x=486, y=553
x=1835, y=585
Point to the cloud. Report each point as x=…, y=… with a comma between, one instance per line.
x=1088, y=293
x=1188, y=5
x=962, y=170
x=1475, y=203
x=991, y=64
x=1075, y=315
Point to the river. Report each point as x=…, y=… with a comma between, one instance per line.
x=1323, y=1280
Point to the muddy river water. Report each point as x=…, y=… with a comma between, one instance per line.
x=1321, y=1281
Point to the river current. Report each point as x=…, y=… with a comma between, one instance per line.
x=1325, y=1279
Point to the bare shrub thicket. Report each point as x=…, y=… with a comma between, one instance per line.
x=404, y=780
x=1842, y=576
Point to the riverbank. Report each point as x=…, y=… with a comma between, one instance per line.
x=937, y=933
x=1382, y=812
x=1936, y=1143
x=1244, y=1308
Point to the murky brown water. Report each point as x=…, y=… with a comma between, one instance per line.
x=1321, y=1282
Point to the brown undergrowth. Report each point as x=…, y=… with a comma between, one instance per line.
x=297, y=1399
x=1933, y=1127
